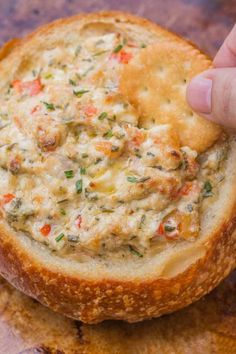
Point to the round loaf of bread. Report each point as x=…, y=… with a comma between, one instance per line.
x=116, y=200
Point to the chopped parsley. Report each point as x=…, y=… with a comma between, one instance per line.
x=80, y=92
x=60, y=237
x=207, y=189
x=79, y=186
x=69, y=173
x=135, y=252
x=49, y=106
x=118, y=48
x=102, y=116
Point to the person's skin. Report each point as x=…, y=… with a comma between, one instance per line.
x=212, y=94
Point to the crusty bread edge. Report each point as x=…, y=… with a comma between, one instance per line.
x=95, y=300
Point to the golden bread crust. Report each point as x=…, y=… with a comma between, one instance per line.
x=95, y=298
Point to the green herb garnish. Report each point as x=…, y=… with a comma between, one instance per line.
x=207, y=189
x=132, y=179
x=72, y=82
x=108, y=134
x=79, y=186
x=82, y=170
x=100, y=53
x=80, y=92
x=49, y=106
x=102, y=116
x=135, y=252
x=62, y=211
x=69, y=173
x=59, y=237
x=84, y=155
x=118, y=48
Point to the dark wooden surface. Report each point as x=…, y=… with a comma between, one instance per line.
x=209, y=326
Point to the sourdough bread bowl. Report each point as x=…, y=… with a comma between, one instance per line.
x=117, y=201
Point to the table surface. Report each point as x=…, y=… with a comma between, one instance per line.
x=208, y=326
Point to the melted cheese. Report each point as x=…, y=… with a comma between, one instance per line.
x=78, y=172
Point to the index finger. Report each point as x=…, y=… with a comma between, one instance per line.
x=226, y=56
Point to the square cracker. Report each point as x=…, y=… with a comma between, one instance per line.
x=155, y=83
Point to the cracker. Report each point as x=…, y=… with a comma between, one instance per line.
x=155, y=83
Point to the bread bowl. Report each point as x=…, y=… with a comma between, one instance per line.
x=110, y=207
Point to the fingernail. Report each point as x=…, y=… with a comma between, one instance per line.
x=199, y=94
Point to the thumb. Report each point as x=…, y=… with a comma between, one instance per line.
x=212, y=94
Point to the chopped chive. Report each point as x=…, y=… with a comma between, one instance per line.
x=132, y=179
x=62, y=211
x=106, y=210
x=100, y=53
x=49, y=76
x=62, y=201
x=144, y=179
x=69, y=173
x=49, y=106
x=72, y=82
x=108, y=134
x=102, y=116
x=59, y=237
x=118, y=48
x=80, y=92
x=135, y=252
x=207, y=189
x=82, y=170
x=79, y=186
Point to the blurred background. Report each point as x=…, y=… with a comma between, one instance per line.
x=205, y=22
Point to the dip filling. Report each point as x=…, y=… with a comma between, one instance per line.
x=80, y=174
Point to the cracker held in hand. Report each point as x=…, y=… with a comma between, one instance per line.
x=155, y=82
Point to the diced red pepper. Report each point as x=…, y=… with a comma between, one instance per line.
x=78, y=221
x=90, y=110
x=35, y=109
x=31, y=87
x=160, y=230
x=186, y=189
x=122, y=56
x=45, y=230
x=7, y=198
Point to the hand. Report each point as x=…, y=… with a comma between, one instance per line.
x=213, y=93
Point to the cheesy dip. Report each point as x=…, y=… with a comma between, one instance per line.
x=78, y=170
